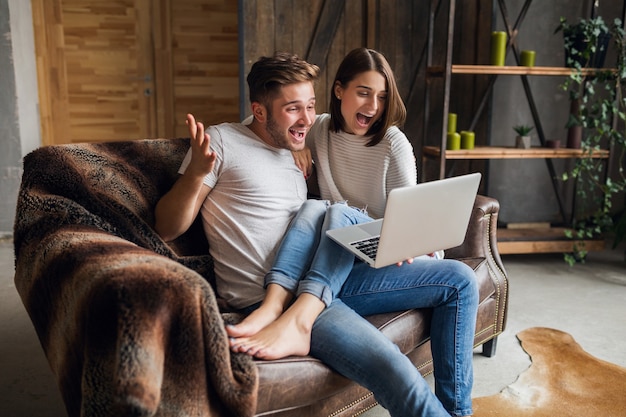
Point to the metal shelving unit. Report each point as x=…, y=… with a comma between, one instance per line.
x=530, y=240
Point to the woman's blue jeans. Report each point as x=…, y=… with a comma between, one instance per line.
x=308, y=261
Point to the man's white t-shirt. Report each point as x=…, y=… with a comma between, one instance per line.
x=256, y=191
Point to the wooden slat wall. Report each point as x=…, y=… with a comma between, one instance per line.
x=51, y=73
x=96, y=65
x=130, y=69
x=164, y=69
x=107, y=68
x=97, y=59
x=283, y=25
x=205, y=61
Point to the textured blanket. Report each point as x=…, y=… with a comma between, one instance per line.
x=129, y=324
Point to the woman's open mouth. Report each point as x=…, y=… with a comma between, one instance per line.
x=363, y=120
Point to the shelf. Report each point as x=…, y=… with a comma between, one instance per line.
x=540, y=240
x=501, y=152
x=514, y=70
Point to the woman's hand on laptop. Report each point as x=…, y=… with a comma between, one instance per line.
x=436, y=255
x=408, y=261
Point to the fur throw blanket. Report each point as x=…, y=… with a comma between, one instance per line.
x=130, y=325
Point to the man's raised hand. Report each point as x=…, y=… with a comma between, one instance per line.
x=202, y=158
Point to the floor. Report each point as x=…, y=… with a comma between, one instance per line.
x=586, y=300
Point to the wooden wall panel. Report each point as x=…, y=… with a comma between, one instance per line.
x=130, y=69
x=163, y=69
x=51, y=73
x=106, y=71
x=388, y=26
x=282, y=25
x=93, y=69
x=205, y=61
x=126, y=69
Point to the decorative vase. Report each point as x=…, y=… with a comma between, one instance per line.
x=522, y=142
x=574, y=131
x=574, y=137
x=553, y=143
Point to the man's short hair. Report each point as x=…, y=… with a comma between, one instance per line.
x=269, y=74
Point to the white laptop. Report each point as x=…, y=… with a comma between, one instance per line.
x=419, y=220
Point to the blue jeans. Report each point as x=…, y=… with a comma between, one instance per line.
x=308, y=261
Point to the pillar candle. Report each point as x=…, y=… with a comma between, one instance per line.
x=453, y=142
x=467, y=139
x=498, y=48
x=527, y=58
x=451, y=122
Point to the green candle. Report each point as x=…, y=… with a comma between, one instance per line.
x=451, y=122
x=527, y=58
x=498, y=48
x=467, y=139
x=454, y=141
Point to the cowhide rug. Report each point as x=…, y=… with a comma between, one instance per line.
x=563, y=380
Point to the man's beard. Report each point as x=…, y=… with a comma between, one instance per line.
x=276, y=135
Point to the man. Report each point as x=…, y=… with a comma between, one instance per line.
x=243, y=181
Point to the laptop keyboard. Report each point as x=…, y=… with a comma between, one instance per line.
x=368, y=246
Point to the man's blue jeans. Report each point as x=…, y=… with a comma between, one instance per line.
x=308, y=261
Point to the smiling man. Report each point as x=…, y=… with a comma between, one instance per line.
x=242, y=179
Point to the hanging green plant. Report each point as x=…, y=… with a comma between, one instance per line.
x=586, y=42
x=599, y=109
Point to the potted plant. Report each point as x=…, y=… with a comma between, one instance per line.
x=522, y=140
x=586, y=43
x=599, y=112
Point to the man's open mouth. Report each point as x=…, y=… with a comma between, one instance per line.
x=298, y=134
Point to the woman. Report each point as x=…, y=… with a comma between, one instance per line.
x=360, y=154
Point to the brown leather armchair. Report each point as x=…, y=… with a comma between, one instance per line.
x=130, y=324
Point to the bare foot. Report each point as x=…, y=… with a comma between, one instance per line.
x=281, y=338
x=290, y=334
x=255, y=322
x=275, y=302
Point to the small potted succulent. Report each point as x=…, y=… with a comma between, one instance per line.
x=522, y=140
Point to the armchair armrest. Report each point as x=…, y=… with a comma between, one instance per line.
x=481, y=239
x=481, y=242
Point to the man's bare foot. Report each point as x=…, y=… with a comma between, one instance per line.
x=254, y=323
x=275, y=302
x=290, y=334
x=281, y=338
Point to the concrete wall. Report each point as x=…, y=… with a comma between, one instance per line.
x=19, y=118
x=523, y=187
